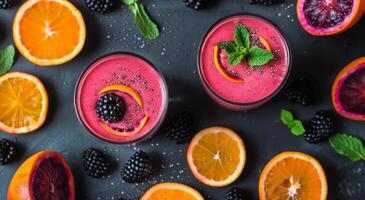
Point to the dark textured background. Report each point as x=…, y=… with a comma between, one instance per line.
x=174, y=53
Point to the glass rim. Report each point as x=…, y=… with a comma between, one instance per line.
x=165, y=102
x=267, y=98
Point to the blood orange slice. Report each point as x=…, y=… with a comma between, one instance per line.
x=329, y=17
x=43, y=176
x=125, y=133
x=221, y=70
x=348, y=91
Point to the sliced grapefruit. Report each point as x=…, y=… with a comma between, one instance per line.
x=43, y=176
x=291, y=176
x=348, y=91
x=125, y=133
x=216, y=156
x=329, y=17
x=171, y=191
x=49, y=32
x=221, y=70
x=23, y=103
x=125, y=89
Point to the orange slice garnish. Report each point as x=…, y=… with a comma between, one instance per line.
x=264, y=42
x=293, y=175
x=23, y=103
x=49, y=32
x=221, y=69
x=171, y=191
x=216, y=156
x=122, y=88
x=125, y=134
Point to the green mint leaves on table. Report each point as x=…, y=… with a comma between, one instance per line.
x=6, y=59
x=241, y=48
x=348, y=146
x=295, y=126
x=145, y=25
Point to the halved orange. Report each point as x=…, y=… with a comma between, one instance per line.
x=216, y=156
x=23, y=103
x=220, y=68
x=49, y=32
x=171, y=191
x=122, y=88
x=292, y=176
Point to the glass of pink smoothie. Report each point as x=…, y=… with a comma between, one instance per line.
x=243, y=87
x=141, y=87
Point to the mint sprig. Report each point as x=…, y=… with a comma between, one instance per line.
x=146, y=26
x=296, y=126
x=241, y=49
x=348, y=145
x=6, y=59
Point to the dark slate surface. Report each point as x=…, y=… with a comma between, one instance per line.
x=174, y=53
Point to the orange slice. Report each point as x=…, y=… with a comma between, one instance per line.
x=171, y=191
x=264, y=42
x=23, y=103
x=221, y=69
x=292, y=176
x=125, y=134
x=49, y=32
x=216, y=156
x=122, y=88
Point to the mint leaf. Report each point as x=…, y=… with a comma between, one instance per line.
x=348, y=146
x=145, y=25
x=235, y=58
x=129, y=2
x=258, y=56
x=229, y=47
x=6, y=59
x=286, y=117
x=242, y=36
x=297, y=128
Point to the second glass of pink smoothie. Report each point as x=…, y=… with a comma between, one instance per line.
x=242, y=87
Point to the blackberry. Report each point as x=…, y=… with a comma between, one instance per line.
x=138, y=168
x=234, y=194
x=320, y=127
x=95, y=163
x=99, y=6
x=7, y=151
x=180, y=128
x=300, y=91
x=5, y=4
x=110, y=108
x=263, y=2
x=196, y=4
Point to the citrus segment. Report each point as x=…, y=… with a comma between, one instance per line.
x=216, y=156
x=221, y=69
x=292, y=176
x=23, y=103
x=49, y=32
x=171, y=191
x=125, y=133
x=122, y=88
x=265, y=43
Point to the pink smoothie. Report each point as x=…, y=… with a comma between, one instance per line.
x=128, y=70
x=260, y=83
